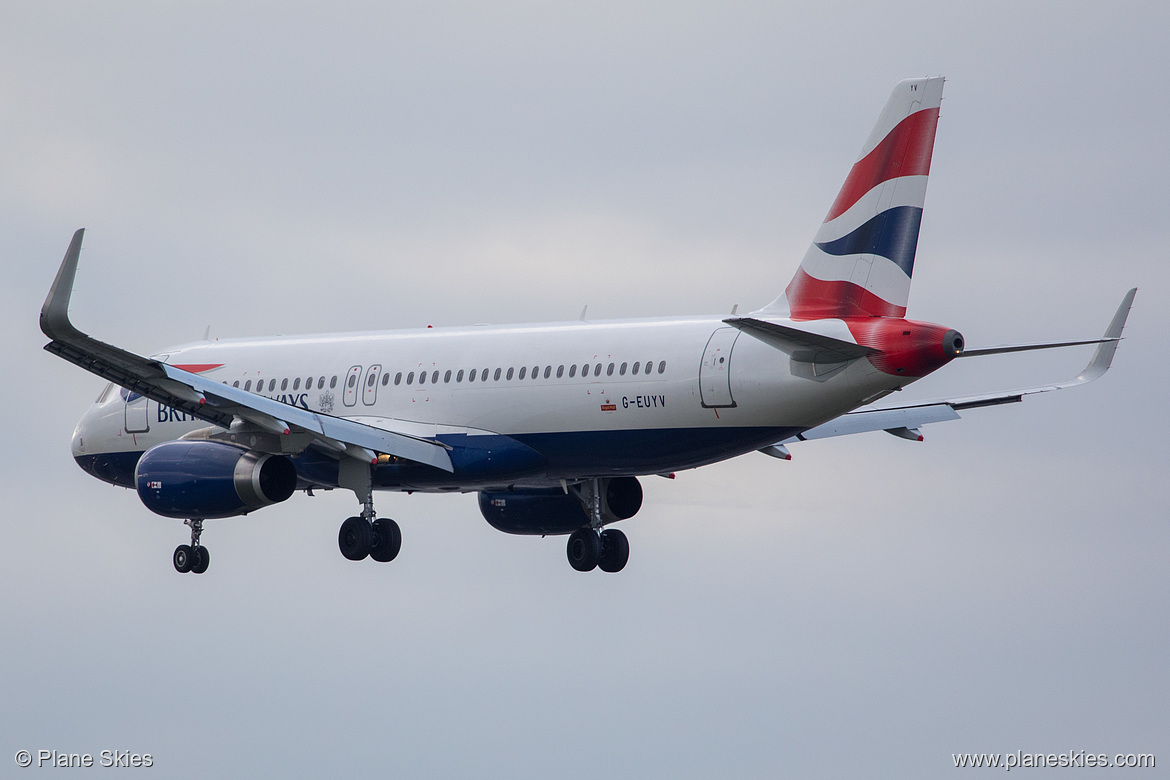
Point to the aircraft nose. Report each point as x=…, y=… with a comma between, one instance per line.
x=81, y=433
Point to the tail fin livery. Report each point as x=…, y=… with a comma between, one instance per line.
x=860, y=263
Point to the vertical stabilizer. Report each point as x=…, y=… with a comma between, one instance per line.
x=861, y=261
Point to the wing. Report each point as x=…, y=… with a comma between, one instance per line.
x=904, y=421
x=211, y=401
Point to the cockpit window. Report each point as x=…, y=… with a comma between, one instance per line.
x=105, y=393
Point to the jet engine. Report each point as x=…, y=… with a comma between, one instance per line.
x=553, y=511
x=204, y=479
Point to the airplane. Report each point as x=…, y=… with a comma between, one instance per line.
x=551, y=424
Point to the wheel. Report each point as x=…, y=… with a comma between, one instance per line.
x=355, y=537
x=584, y=549
x=202, y=559
x=615, y=550
x=387, y=540
x=184, y=558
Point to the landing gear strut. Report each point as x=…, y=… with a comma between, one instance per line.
x=192, y=557
x=364, y=536
x=591, y=548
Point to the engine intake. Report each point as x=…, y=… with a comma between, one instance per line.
x=204, y=479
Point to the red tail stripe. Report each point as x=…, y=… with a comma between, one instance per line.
x=813, y=299
x=905, y=151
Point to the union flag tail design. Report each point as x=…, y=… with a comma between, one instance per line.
x=861, y=261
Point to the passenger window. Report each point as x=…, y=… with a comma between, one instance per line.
x=297, y=383
x=597, y=370
x=560, y=371
x=572, y=371
x=447, y=376
x=622, y=370
x=459, y=376
x=385, y=379
x=535, y=371
x=497, y=375
x=662, y=367
x=422, y=377
x=634, y=369
x=248, y=386
x=398, y=378
x=309, y=383
x=373, y=378
x=509, y=374
x=284, y=384
x=434, y=377
x=609, y=370
x=471, y=375
x=410, y=378
x=523, y=371
x=234, y=384
x=321, y=383
x=547, y=371
x=272, y=385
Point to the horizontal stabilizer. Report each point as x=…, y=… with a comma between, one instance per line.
x=903, y=420
x=801, y=345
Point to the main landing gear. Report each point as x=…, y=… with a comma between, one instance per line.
x=380, y=540
x=588, y=550
x=590, y=547
x=192, y=557
x=364, y=536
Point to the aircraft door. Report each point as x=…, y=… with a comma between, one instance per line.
x=715, y=370
x=370, y=386
x=349, y=393
x=137, y=412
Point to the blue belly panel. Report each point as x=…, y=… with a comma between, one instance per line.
x=493, y=461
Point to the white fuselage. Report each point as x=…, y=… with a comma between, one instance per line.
x=593, y=398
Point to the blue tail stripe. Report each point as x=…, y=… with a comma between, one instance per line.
x=893, y=234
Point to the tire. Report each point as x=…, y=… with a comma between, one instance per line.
x=355, y=538
x=202, y=559
x=184, y=558
x=583, y=549
x=615, y=551
x=387, y=540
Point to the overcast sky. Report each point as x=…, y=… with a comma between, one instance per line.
x=867, y=609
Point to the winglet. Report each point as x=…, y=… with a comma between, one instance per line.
x=1103, y=356
x=55, y=313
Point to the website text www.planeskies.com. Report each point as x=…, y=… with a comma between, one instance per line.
x=1072, y=759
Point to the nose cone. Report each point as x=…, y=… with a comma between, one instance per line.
x=99, y=450
x=81, y=434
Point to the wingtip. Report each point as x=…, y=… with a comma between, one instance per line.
x=1103, y=356
x=55, y=312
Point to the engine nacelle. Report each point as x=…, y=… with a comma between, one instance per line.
x=553, y=511
x=205, y=479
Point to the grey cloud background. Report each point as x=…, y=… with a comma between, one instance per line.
x=867, y=609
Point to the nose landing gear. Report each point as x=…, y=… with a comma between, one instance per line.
x=192, y=557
